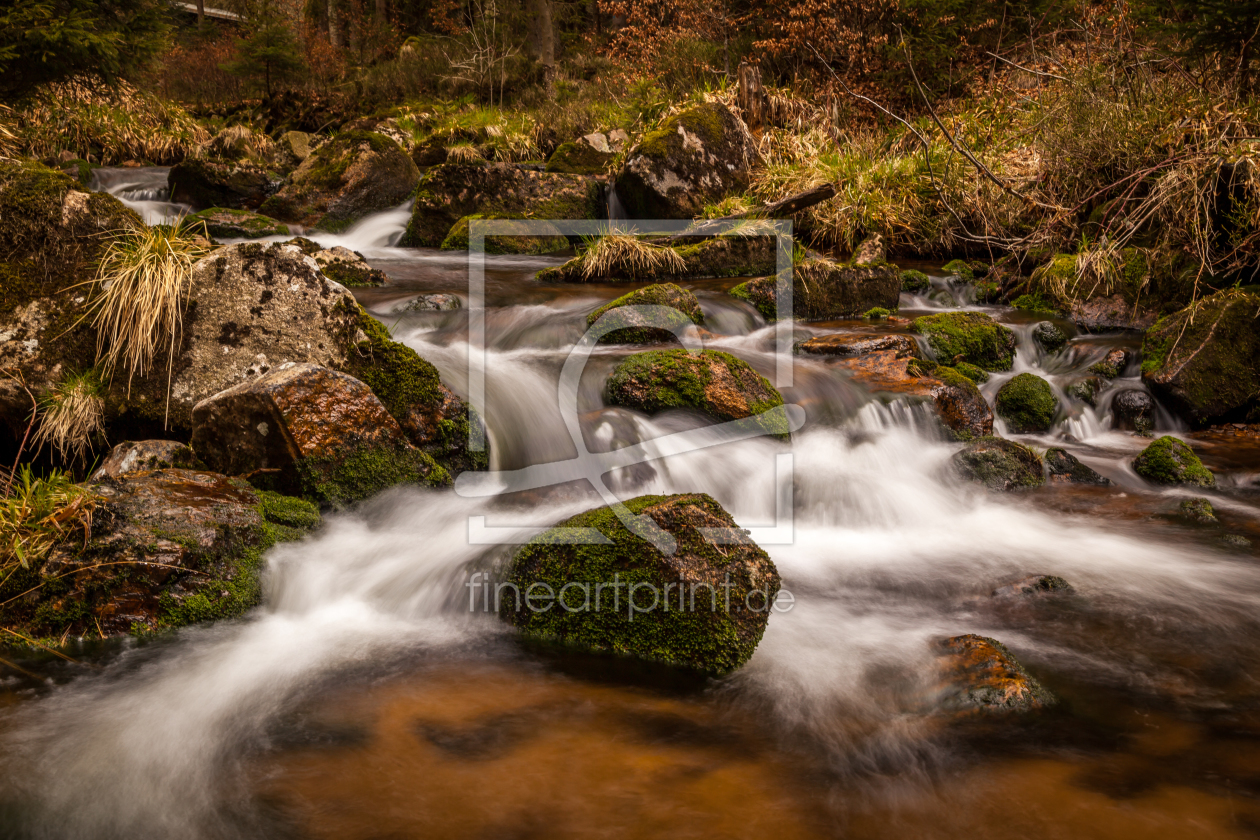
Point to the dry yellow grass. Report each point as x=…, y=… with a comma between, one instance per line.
x=36, y=513
x=623, y=254
x=71, y=416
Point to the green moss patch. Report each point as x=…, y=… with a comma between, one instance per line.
x=1172, y=461
x=1027, y=403
x=968, y=336
x=578, y=159
x=633, y=329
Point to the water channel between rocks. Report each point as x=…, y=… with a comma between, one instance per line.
x=364, y=700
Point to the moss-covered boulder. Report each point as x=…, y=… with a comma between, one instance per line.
x=206, y=183
x=980, y=675
x=703, y=608
x=354, y=174
x=1065, y=468
x=975, y=374
x=1049, y=337
x=1112, y=365
x=310, y=431
x=968, y=337
x=1086, y=390
x=824, y=290
x=1172, y=461
x=1199, y=510
x=528, y=241
x=1204, y=361
x=960, y=269
x=452, y=191
x=226, y=223
x=633, y=327
x=914, y=281
x=1027, y=403
x=578, y=158
x=959, y=403
x=51, y=234
x=694, y=158
x=168, y=547
x=255, y=307
x=999, y=464
x=711, y=382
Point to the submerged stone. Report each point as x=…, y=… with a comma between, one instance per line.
x=1064, y=467
x=1033, y=585
x=1112, y=365
x=999, y=464
x=1133, y=410
x=1172, y=461
x=1027, y=404
x=1049, y=336
x=704, y=607
x=968, y=337
x=1198, y=510
x=982, y=675
x=712, y=382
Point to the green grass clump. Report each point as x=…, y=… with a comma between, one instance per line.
x=876, y=313
x=36, y=514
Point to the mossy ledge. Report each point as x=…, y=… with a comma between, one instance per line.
x=968, y=336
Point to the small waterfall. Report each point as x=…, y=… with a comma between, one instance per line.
x=616, y=213
x=143, y=189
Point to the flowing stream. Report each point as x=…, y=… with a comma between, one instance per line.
x=365, y=699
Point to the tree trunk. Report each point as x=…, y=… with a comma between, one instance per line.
x=381, y=11
x=201, y=13
x=336, y=32
x=750, y=96
x=543, y=42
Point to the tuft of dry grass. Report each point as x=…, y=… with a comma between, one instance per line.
x=463, y=153
x=71, y=416
x=238, y=142
x=623, y=254
x=143, y=281
x=36, y=514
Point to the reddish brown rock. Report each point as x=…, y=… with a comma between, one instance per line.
x=309, y=430
x=979, y=675
x=166, y=548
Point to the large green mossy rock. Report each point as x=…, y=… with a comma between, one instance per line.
x=51, y=235
x=824, y=290
x=693, y=158
x=578, y=158
x=1027, y=403
x=167, y=548
x=1205, y=360
x=354, y=174
x=226, y=223
x=968, y=337
x=631, y=327
x=716, y=631
x=526, y=242
x=999, y=464
x=712, y=382
x=1172, y=461
x=452, y=191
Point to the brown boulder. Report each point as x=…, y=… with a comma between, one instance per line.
x=979, y=675
x=311, y=431
x=144, y=455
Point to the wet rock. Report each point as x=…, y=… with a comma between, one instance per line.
x=433, y=303
x=1236, y=541
x=206, y=183
x=968, y=336
x=961, y=269
x=257, y=306
x=309, y=431
x=1123, y=301
x=1133, y=410
x=1050, y=337
x=892, y=363
x=353, y=175
x=824, y=290
x=632, y=329
x=999, y=464
x=579, y=158
x=51, y=235
x=168, y=547
x=712, y=382
x=695, y=158
x=528, y=241
x=1086, y=390
x=1063, y=467
x=713, y=633
x=1112, y=365
x=1172, y=461
x=452, y=191
x=1027, y=404
x=915, y=281
x=225, y=223
x=1033, y=585
x=981, y=675
x=1198, y=510
x=870, y=251
x=142, y=455
x=1206, y=367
